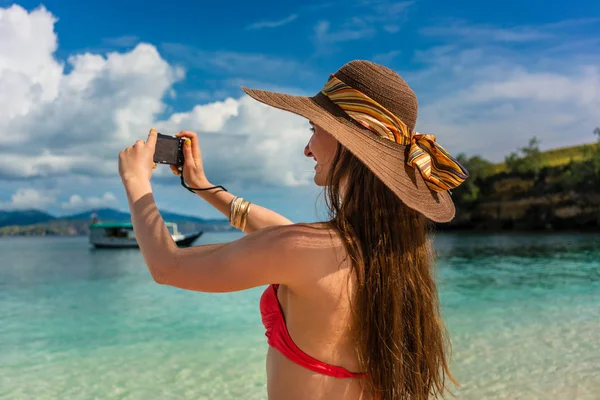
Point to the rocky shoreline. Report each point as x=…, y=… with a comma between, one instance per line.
x=552, y=212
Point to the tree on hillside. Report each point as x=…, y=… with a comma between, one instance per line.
x=478, y=167
x=596, y=154
x=529, y=161
x=586, y=174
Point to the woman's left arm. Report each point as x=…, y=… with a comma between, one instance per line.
x=279, y=254
x=153, y=237
x=135, y=168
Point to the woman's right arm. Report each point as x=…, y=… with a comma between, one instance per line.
x=258, y=217
x=193, y=173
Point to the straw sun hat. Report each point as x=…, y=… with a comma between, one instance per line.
x=372, y=112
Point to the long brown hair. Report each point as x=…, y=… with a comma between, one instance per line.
x=401, y=340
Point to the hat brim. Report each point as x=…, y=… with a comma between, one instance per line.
x=386, y=159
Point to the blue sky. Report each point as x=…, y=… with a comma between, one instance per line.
x=81, y=80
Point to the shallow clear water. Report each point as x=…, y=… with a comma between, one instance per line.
x=523, y=312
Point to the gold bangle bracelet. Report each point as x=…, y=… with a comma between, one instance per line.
x=235, y=213
x=231, y=206
x=238, y=213
x=237, y=204
x=239, y=210
x=246, y=214
x=243, y=214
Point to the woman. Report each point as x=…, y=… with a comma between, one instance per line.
x=351, y=310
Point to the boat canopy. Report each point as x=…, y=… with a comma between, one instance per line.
x=112, y=225
x=172, y=226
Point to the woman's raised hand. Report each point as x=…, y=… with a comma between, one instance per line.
x=193, y=170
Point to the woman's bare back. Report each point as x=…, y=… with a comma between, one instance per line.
x=318, y=319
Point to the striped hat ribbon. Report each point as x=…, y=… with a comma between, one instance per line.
x=439, y=169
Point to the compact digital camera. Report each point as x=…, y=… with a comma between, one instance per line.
x=169, y=150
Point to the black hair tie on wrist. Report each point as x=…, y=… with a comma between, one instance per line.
x=191, y=189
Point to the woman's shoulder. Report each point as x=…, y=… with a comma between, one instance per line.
x=314, y=248
x=303, y=236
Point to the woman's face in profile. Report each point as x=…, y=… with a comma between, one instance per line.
x=321, y=147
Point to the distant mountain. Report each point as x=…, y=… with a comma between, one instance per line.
x=38, y=223
x=105, y=214
x=25, y=217
x=175, y=217
x=110, y=214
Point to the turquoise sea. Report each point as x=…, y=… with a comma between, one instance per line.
x=523, y=312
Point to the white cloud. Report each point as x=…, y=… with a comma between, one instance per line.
x=482, y=91
x=78, y=203
x=205, y=118
x=543, y=87
x=104, y=100
x=49, y=163
x=229, y=62
x=273, y=24
x=479, y=102
x=75, y=123
x=388, y=13
x=386, y=58
x=29, y=75
x=324, y=35
x=369, y=17
x=486, y=33
x=246, y=141
x=121, y=41
x=29, y=198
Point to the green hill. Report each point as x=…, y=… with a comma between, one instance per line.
x=531, y=190
x=552, y=158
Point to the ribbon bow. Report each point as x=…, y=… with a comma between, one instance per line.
x=439, y=169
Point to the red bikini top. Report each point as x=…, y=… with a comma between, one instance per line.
x=279, y=338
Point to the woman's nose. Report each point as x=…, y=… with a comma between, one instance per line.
x=307, y=151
